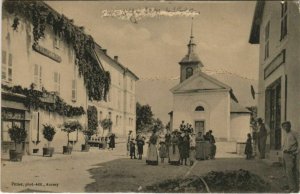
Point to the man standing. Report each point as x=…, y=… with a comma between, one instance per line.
x=290, y=151
x=130, y=136
x=212, y=141
x=262, y=138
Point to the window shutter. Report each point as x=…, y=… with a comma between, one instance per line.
x=36, y=74
x=40, y=78
x=34, y=126
x=73, y=89
x=4, y=67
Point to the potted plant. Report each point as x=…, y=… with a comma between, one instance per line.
x=48, y=132
x=91, y=128
x=106, y=124
x=18, y=135
x=88, y=133
x=69, y=127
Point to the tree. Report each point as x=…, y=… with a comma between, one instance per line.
x=168, y=126
x=159, y=124
x=144, y=117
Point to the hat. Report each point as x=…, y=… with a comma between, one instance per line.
x=259, y=120
x=286, y=123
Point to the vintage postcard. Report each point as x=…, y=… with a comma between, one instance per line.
x=150, y=96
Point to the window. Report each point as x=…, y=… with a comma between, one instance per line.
x=199, y=108
x=283, y=19
x=57, y=82
x=117, y=120
x=189, y=72
x=119, y=99
x=131, y=84
x=267, y=34
x=56, y=42
x=7, y=66
x=74, y=85
x=37, y=74
x=74, y=92
x=120, y=79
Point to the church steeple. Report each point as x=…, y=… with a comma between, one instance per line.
x=191, y=62
x=191, y=44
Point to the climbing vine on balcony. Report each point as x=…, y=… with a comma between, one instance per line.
x=34, y=100
x=96, y=80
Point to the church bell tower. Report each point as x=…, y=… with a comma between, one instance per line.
x=191, y=62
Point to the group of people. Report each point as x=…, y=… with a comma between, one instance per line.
x=290, y=149
x=177, y=147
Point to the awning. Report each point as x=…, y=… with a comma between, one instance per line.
x=13, y=105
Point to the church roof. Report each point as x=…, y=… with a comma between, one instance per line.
x=237, y=108
x=256, y=21
x=190, y=57
x=208, y=83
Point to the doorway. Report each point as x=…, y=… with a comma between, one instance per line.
x=199, y=127
x=273, y=113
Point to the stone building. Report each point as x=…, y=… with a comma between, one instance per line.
x=45, y=82
x=205, y=102
x=275, y=27
x=120, y=106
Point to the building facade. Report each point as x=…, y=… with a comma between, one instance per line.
x=276, y=29
x=48, y=66
x=120, y=106
x=205, y=103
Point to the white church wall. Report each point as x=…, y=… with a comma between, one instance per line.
x=239, y=126
x=216, y=114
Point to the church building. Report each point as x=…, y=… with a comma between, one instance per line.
x=205, y=102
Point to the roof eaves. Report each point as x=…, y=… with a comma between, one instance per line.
x=256, y=21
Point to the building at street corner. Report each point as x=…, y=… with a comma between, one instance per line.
x=50, y=74
x=120, y=106
x=206, y=103
x=275, y=27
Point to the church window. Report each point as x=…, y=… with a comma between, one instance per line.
x=189, y=72
x=199, y=108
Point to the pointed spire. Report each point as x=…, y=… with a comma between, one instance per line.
x=192, y=28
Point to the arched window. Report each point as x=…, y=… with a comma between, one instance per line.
x=199, y=108
x=189, y=72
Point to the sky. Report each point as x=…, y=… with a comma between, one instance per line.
x=153, y=46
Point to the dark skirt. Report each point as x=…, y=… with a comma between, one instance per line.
x=140, y=149
x=174, y=154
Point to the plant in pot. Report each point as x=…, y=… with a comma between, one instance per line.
x=69, y=127
x=92, y=115
x=106, y=125
x=48, y=132
x=88, y=133
x=18, y=135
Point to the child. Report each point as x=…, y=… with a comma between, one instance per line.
x=140, y=141
x=132, y=149
x=162, y=151
x=248, y=148
x=192, y=149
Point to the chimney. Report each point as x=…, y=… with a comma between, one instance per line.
x=105, y=51
x=116, y=58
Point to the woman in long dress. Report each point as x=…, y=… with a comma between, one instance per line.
x=174, y=156
x=152, y=156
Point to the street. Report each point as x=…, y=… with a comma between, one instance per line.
x=111, y=171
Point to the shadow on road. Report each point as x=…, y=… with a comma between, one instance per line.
x=126, y=175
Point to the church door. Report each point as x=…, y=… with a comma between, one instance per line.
x=199, y=127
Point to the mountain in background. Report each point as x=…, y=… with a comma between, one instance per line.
x=156, y=92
